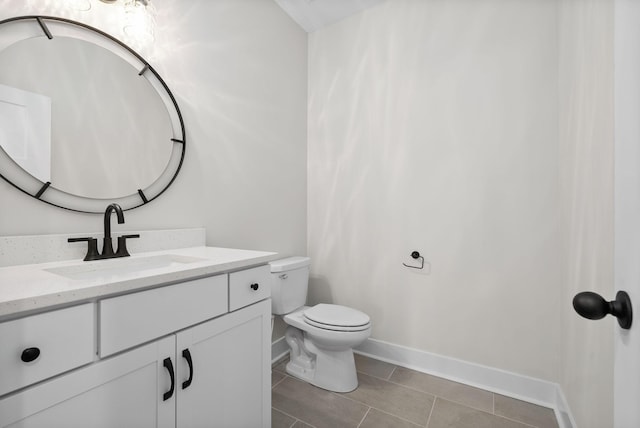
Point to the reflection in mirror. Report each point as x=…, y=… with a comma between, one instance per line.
x=84, y=120
x=25, y=130
x=110, y=131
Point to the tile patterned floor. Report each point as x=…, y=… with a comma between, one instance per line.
x=396, y=397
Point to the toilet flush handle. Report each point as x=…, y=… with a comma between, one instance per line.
x=283, y=276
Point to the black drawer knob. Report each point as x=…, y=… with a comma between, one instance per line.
x=255, y=286
x=30, y=354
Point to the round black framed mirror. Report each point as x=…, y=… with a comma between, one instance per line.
x=85, y=121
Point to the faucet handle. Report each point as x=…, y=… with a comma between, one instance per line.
x=122, y=245
x=92, y=247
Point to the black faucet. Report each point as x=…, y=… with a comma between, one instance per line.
x=107, y=245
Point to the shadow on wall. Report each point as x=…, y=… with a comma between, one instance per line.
x=319, y=291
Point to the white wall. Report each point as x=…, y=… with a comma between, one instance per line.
x=586, y=181
x=238, y=71
x=433, y=126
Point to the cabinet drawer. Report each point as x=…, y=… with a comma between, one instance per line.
x=132, y=319
x=249, y=286
x=64, y=340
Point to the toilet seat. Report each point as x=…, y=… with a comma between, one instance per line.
x=336, y=318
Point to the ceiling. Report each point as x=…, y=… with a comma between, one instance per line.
x=313, y=15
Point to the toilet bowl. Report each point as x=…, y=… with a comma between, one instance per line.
x=320, y=338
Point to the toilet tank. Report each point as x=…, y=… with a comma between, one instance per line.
x=289, y=284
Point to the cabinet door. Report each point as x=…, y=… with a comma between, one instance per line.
x=230, y=357
x=123, y=391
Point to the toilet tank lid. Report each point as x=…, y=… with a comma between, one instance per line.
x=290, y=263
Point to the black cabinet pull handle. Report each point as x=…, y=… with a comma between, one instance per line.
x=169, y=366
x=187, y=356
x=30, y=354
x=255, y=286
x=592, y=306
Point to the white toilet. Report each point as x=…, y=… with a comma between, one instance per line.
x=321, y=337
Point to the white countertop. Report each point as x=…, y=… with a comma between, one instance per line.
x=32, y=287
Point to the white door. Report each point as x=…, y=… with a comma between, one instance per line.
x=627, y=208
x=229, y=371
x=124, y=391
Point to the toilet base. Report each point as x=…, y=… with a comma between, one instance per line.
x=327, y=369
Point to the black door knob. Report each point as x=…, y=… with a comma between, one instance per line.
x=254, y=286
x=592, y=306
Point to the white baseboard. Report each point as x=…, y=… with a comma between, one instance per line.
x=495, y=380
x=532, y=390
x=279, y=349
x=563, y=413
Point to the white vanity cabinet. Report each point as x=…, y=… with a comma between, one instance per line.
x=121, y=391
x=231, y=382
x=172, y=356
x=41, y=346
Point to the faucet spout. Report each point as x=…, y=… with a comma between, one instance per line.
x=107, y=248
x=107, y=218
x=107, y=244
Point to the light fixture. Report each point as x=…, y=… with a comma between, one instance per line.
x=80, y=5
x=143, y=2
x=139, y=22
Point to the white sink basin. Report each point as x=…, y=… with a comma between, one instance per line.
x=122, y=266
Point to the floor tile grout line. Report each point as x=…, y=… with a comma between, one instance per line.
x=291, y=416
x=415, y=389
x=433, y=394
x=279, y=382
x=386, y=412
x=433, y=405
x=392, y=372
x=372, y=375
x=395, y=416
x=364, y=417
x=340, y=394
x=524, y=424
x=303, y=422
x=285, y=413
x=498, y=416
x=463, y=385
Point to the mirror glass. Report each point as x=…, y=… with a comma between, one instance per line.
x=109, y=130
x=86, y=114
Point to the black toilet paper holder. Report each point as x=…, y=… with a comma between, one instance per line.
x=416, y=255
